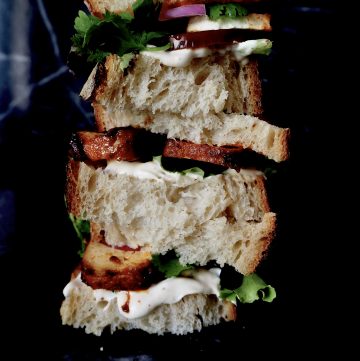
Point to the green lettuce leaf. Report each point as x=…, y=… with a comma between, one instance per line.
x=119, y=34
x=171, y=267
x=253, y=288
x=125, y=60
x=258, y=46
x=230, y=10
x=263, y=47
x=82, y=229
x=194, y=170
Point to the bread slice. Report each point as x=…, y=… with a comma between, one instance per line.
x=200, y=103
x=81, y=309
x=99, y=7
x=223, y=217
x=212, y=84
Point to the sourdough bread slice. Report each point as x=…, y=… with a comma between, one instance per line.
x=214, y=84
x=99, y=7
x=82, y=309
x=223, y=217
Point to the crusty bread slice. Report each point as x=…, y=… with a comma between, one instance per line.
x=223, y=217
x=212, y=84
x=99, y=7
x=81, y=309
x=191, y=103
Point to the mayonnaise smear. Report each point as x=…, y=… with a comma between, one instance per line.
x=148, y=170
x=136, y=304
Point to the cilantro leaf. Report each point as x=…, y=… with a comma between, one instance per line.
x=229, y=10
x=253, y=288
x=117, y=34
x=82, y=229
x=83, y=22
x=171, y=267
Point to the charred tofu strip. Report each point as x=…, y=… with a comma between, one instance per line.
x=128, y=144
x=223, y=156
x=116, y=269
x=115, y=144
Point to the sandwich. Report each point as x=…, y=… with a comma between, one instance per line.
x=164, y=194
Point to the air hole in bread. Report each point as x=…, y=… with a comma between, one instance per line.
x=173, y=195
x=202, y=76
x=89, y=319
x=163, y=93
x=92, y=183
x=102, y=304
x=200, y=318
x=230, y=218
x=98, y=203
x=221, y=309
x=114, y=259
x=270, y=138
x=237, y=246
x=238, y=256
x=247, y=243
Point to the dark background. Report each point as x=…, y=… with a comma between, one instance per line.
x=40, y=108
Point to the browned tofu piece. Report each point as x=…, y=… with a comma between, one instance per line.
x=116, y=269
x=223, y=156
x=115, y=144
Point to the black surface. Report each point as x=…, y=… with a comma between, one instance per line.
x=38, y=248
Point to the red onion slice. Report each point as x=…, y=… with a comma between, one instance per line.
x=184, y=11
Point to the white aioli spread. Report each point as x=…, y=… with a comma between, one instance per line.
x=203, y=23
x=136, y=304
x=148, y=170
x=183, y=57
x=178, y=58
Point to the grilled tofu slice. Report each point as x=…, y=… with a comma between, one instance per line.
x=113, y=269
x=224, y=156
x=130, y=144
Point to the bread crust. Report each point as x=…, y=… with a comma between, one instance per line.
x=263, y=245
x=71, y=189
x=254, y=104
x=99, y=7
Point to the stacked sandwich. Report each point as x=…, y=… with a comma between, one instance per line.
x=167, y=184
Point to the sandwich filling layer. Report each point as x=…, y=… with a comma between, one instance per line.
x=152, y=170
x=136, y=304
x=183, y=57
x=204, y=23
